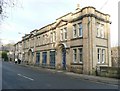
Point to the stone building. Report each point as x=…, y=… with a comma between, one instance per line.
x=78, y=41
x=18, y=51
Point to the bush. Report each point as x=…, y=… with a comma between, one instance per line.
x=4, y=56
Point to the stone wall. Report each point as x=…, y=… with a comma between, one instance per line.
x=113, y=72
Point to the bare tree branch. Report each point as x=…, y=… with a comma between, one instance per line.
x=6, y=4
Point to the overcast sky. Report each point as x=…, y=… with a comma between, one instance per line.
x=28, y=15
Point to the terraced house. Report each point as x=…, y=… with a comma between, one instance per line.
x=78, y=41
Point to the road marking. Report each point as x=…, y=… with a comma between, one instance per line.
x=25, y=77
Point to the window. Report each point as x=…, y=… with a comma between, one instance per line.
x=61, y=34
x=43, y=39
x=24, y=44
x=51, y=37
x=74, y=55
x=47, y=38
x=74, y=31
x=44, y=58
x=80, y=30
x=37, y=57
x=52, y=58
x=102, y=31
x=98, y=50
x=37, y=39
x=80, y=55
x=33, y=42
x=54, y=36
x=39, y=42
x=103, y=55
x=98, y=30
x=65, y=33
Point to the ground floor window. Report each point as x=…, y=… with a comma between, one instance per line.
x=98, y=53
x=44, y=58
x=74, y=55
x=52, y=58
x=101, y=55
x=37, y=57
x=80, y=55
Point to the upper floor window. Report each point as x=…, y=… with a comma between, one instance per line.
x=80, y=29
x=47, y=36
x=100, y=30
x=39, y=40
x=28, y=43
x=51, y=37
x=74, y=30
x=24, y=44
x=32, y=44
x=43, y=39
x=61, y=34
x=74, y=55
x=54, y=36
x=65, y=33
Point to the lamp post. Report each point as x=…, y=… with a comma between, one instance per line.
x=2, y=52
x=0, y=9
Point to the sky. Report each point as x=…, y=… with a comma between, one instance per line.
x=28, y=15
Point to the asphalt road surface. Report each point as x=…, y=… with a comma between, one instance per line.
x=19, y=77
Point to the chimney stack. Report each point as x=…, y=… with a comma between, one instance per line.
x=78, y=7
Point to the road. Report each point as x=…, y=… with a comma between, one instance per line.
x=20, y=77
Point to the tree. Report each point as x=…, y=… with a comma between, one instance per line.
x=4, y=4
x=5, y=56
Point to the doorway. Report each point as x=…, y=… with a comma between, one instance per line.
x=64, y=58
x=37, y=58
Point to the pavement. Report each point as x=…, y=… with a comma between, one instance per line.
x=98, y=79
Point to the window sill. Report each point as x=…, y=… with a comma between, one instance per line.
x=102, y=64
x=77, y=38
x=63, y=40
x=74, y=36
x=44, y=44
x=80, y=36
x=101, y=38
x=76, y=63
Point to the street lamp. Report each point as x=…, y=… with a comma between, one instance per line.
x=0, y=9
x=2, y=52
